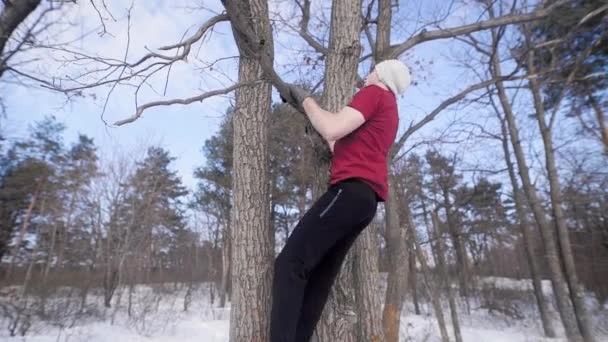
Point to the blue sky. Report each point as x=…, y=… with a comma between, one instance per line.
x=183, y=129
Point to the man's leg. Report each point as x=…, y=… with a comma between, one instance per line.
x=319, y=287
x=332, y=218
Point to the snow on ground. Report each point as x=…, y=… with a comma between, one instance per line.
x=515, y=284
x=158, y=316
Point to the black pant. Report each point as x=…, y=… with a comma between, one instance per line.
x=311, y=259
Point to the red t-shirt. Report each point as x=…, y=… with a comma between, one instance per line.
x=363, y=152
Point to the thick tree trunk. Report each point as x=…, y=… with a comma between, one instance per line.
x=337, y=322
x=560, y=289
x=443, y=274
x=251, y=240
x=527, y=236
x=576, y=290
x=397, y=254
x=383, y=30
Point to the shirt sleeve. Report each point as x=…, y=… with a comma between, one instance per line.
x=366, y=101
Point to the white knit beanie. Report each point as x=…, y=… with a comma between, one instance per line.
x=394, y=74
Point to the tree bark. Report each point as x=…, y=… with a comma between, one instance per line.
x=226, y=266
x=397, y=253
x=576, y=290
x=527, y=236
x=413, y=276
x=461, y=254
x=601, y=121
x=251, y=237
x=383, y=30
x=337, y=322
x=433, y=293
x=443, y=274
x=396, y=241
x=24, y=226
x=560, y=289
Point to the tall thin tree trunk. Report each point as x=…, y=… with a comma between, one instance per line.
x=560, y=289
x=397, y=253
x=251, y=237
x=459, y=247
x=66, y=229
x=601, y=121
x=226, y=253
x=397, y=247
x=413, y=276
x=434, y=294
x=49, y=256
x=522, y=217
x=443, y=274
x=24, y=225
x=576, y=290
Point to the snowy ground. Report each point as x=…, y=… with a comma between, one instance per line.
x=158, y=316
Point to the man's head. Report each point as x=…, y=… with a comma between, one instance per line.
x=392, y=73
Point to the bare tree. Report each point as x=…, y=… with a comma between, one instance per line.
x=557, y=279
x=576, y=291
x=522, y=217
x=444, y=275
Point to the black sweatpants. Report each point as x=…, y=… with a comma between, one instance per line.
x=311, y=259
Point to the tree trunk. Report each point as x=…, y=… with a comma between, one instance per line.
x=383, y=30
x=560, y=289
x=443, y=274
x=576, y=290
x=601, y=121
x=413, y=278
x=24, y=226
x=366, y=277
x=522, y=217
x=434, y=295
x=397, y=253
x=461, y=254
x=337, y=322
x=226, y=266
x=251, y=237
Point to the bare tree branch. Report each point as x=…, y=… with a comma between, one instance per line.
x=304, y=33
x=398, y=49
x=454, y=99
x=140, y=110
x=186, y=45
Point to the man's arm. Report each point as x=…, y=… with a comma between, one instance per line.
x=332, y=126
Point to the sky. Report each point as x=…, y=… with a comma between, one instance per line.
x=183, y=129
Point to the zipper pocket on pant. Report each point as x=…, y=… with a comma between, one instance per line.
x=331, y=203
